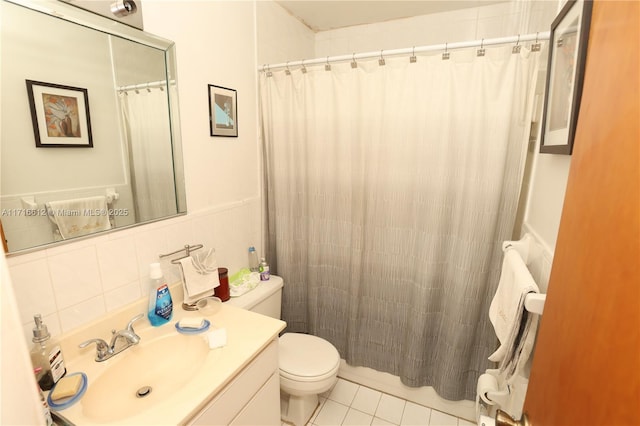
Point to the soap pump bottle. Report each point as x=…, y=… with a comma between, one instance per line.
x=264, y=270
x=160, y=302
x=46, y=356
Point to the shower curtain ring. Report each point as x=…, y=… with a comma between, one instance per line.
x=413, y=58
x=148, y=88
x=327, y=66
x=303, y=69
x=287, y=71
x=535, y=47
x=381, y=61
x=446, y=54
x=481, y=51
x=268, y=73
x=354, y=64
x=516, y=48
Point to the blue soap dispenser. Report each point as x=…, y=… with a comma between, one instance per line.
x=160, y=303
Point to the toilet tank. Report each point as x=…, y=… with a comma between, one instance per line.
x=265, y=299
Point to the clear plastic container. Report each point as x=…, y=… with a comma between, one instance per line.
x=254, y=266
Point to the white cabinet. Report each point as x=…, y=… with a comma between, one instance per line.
x=251, y=398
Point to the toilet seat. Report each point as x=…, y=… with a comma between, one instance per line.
x=307, y=358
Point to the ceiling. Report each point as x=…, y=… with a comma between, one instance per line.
x=322, y=15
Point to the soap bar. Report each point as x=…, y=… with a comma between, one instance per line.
x=66, y=387
x=197, y=322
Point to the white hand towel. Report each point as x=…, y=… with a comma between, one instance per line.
x=514, y=326
x=196, y=284
x=81, y=216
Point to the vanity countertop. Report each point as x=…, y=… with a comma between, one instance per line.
x=248, y=334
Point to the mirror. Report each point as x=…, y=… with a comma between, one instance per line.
x=90, y=138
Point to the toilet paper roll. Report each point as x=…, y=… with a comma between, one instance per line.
x=487, y=383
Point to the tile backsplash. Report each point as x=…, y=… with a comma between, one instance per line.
x=73, y=284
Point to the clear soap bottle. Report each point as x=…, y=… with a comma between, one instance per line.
x=254, y=266
x=46, y=356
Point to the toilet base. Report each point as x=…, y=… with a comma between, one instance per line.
x=297, y=410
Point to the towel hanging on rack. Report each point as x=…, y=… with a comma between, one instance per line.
x=80, y=216
x=515, y=327
x=199, y=273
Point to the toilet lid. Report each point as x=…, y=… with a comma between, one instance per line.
x=304, y=355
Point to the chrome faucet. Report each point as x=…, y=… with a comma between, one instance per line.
x=120, y=340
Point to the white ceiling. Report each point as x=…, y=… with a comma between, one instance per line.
x=322, y=15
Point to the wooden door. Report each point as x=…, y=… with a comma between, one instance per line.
x=586, y=367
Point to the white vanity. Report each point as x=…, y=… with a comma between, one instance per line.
x=190, y=383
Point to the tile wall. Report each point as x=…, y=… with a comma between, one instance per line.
x=73, y=284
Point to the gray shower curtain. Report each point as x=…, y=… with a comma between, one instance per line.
x=389, y=190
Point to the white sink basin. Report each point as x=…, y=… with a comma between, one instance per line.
x=164, y=364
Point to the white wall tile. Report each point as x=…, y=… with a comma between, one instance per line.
x=82, y=313
x=75, y=276
x=118, y=262
x=179, y=234
x=98, y=275
x=123, y=295
x=33, y=289
x=149, y=245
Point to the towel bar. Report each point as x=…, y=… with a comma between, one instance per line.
x=534, y=303
x=187, y=249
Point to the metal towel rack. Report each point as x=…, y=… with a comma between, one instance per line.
x=187, y=249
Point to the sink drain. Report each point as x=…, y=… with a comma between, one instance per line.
x=143, y=391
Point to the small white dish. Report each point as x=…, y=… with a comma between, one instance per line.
x=205, y=327
x=209, y=305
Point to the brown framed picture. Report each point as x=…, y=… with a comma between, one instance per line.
x=60, y=115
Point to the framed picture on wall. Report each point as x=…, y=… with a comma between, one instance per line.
x=567, y=58
x=60, y=115
x=223, y=111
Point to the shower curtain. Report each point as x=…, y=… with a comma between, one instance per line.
x=389, y=190
x=148, y=135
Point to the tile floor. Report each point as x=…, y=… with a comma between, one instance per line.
x=350, y=404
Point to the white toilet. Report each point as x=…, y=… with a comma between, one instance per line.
x=308, y=364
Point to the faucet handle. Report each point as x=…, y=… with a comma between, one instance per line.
x=101, y=347
x=133, y=320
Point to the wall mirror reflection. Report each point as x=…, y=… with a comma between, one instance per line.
x=132, y=173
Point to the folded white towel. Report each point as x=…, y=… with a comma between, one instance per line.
x=197, y=284
x=514, y=326
x=81, y=216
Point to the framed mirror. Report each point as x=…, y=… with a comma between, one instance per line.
x=69, y=77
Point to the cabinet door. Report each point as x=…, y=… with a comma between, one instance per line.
x=224, y=407
x=264, y=407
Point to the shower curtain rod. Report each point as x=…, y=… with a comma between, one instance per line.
x=150, y=85
x=409, y=51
